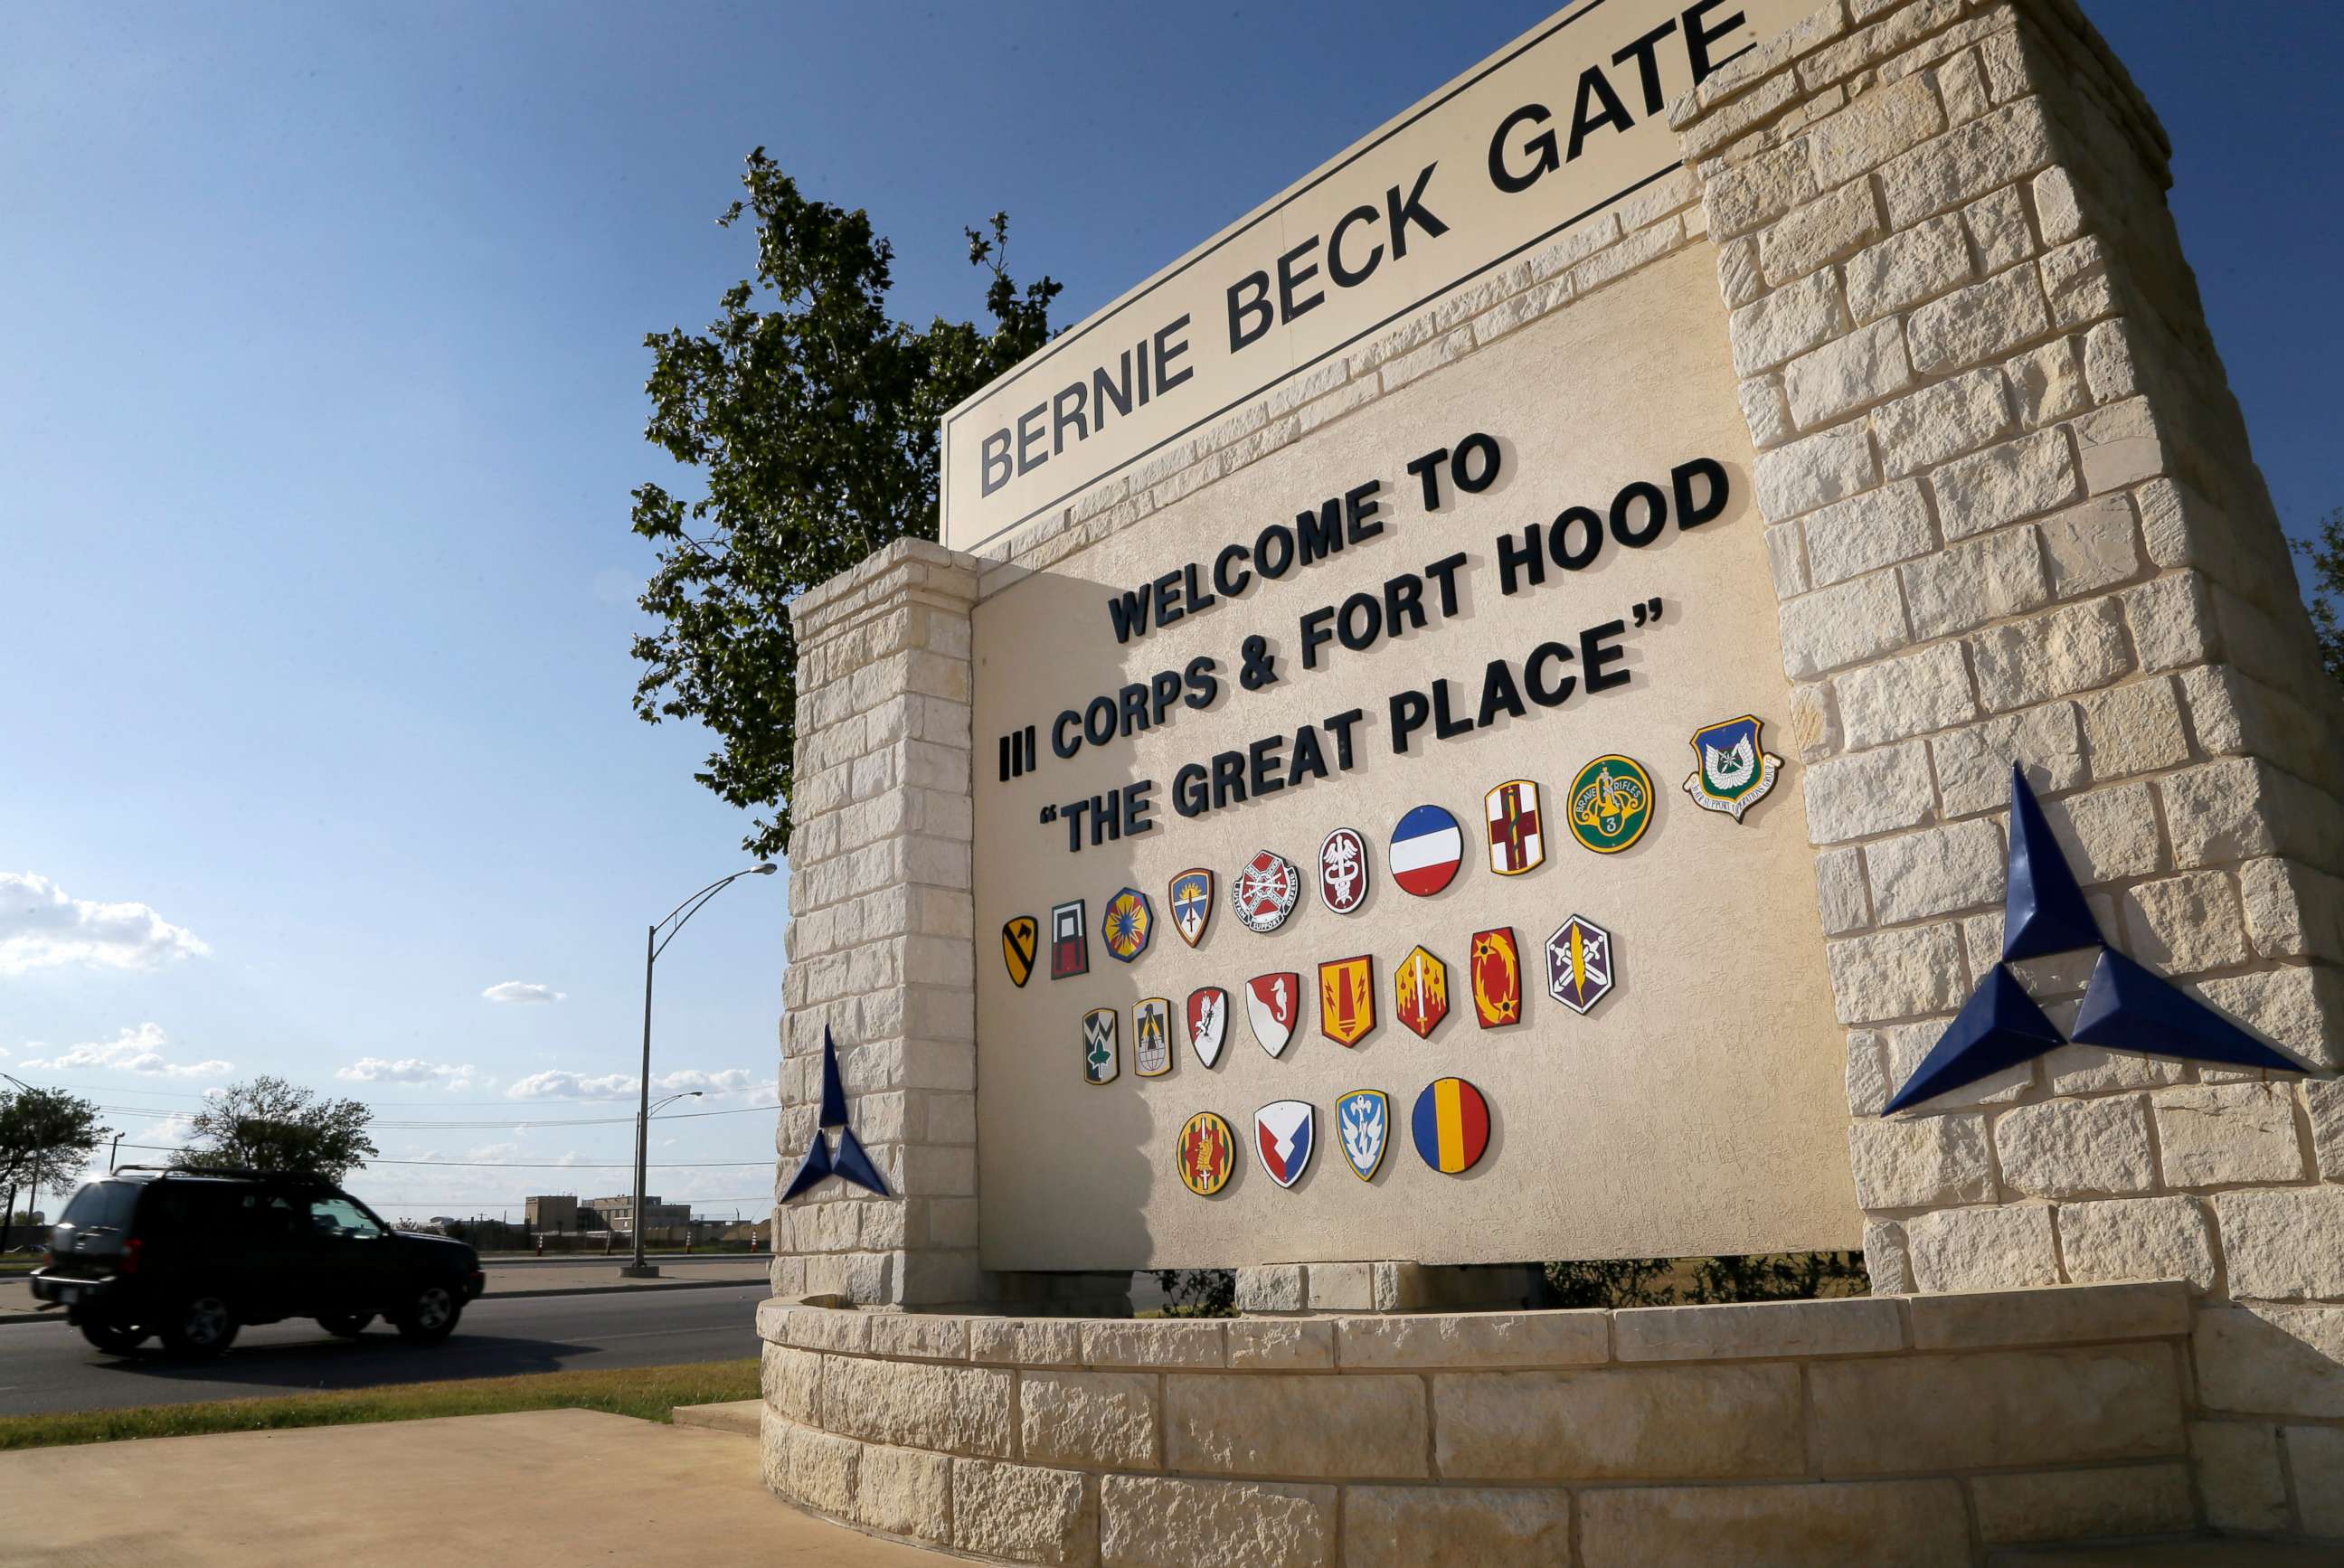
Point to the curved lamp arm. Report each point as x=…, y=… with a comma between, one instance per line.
x=692, y=906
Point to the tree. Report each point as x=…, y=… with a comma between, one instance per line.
x=46, y=1137
x=269, y=1124
x=812, y=417
x=2326, y=553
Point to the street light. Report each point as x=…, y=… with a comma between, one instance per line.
x=653, y=946
x=641, y=1143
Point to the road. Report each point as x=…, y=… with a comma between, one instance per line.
x=47, y=1366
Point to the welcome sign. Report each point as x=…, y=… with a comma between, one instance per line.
x=1546, y=133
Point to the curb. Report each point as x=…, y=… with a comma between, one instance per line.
x=59, y=1317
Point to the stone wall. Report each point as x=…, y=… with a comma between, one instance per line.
x=2014, y=517
x=1922, y=1430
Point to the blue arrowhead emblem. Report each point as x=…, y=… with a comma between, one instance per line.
x=850, y=1163
x=2124, y=1007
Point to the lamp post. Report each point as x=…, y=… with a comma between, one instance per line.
x=653, y=946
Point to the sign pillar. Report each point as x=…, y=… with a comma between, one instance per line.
x=2011, y=516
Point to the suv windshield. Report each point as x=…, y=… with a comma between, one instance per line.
x=103, y=1206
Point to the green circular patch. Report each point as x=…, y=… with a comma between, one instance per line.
x=1610, y=804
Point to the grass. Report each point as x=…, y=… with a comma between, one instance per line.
x=648, y=1393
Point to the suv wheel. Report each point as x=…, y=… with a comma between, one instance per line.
x=430, y=1316
x=349, y=1325
x=200, y=1325
x=114, y=1338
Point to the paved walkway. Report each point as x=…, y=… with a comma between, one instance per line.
x=545, y=1489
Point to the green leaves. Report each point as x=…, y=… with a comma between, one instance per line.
x=270, y=1123
x=2326, y=553
x=812, y=418
x=46, y=1136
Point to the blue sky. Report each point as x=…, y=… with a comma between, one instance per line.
x=321, y=399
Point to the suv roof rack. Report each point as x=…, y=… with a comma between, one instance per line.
x=247, y=1172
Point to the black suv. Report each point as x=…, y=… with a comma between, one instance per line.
x=193, y=1255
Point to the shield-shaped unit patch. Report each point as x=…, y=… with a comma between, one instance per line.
x=1070, y=945
x=1282, y=1130
x=1208, y=1022
x=1497, y=978
x=1420, y=992
x=1019, y=934
x=1343, y=871
x=1735, y=770
x=1208, y=1153
x=1102, y=1052
x=1273, y=1003
x=1151, y=1037
x=1192, y=905
x=1517, y=836
x=1363, y=1125
x=1347, y=999
x=1579, y=964
x=1264, y=891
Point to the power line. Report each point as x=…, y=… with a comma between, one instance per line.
x=435, y=1104
x=518, y=1125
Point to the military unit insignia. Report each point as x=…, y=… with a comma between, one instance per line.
x=1207, y=1154
x=1517, y=838
x=1102, y=1058
x=1451, y=1126
x=1343, y=871
x=1070, y=945
x=1427, y=848
x=1420, y=992
x=1610, y=804
x=1273, y=1003
x=1018, y=935
x=1151, y=1037
x=1347, y=999
x=1281, y=1131
x=1192, y=905
x=1209, y=1020
x=1126, y=924
x=1736, y=770
x=1579, y=970
x=1264, y=891
x=1496, y=971
x=1363, y=1127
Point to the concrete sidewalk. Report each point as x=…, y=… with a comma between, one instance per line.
x=517, y=1277
x=544, y=1489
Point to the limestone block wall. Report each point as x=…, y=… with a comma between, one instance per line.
x=1924, y=1431
x=2014, y=516
x=880, y=924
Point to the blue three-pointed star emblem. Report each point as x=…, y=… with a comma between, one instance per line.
x=2126, y=1007
x=850, y=1163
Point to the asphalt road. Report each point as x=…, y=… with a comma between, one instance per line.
x=48, y=1366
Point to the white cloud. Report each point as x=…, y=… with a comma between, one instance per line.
x=408, y=1070
x=558, y=1084
x=555, y=1085
x=522, y=991
x=138, y=1050
x=41, y=928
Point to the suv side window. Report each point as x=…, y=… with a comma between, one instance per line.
x=338, y=1217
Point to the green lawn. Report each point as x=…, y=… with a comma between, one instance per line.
x=651, y=1393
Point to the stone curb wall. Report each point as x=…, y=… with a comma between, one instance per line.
x=1924, y=1429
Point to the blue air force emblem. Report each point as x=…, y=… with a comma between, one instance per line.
x=1363, y=1117
x=1736, y=771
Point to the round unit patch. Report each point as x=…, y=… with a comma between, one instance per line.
x=1610, y=804
x=1451, y=1126
x=1264, y=890
x=1426, y=850
x=1206, y=1154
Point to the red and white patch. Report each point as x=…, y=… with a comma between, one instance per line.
x=1343, y=871
x=1273, y=1003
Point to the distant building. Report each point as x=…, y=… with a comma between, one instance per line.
x=619, y=1213
x=555, y=1213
